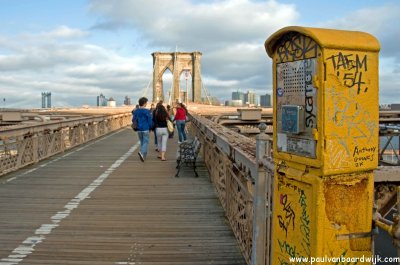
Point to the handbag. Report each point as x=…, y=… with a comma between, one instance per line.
x=134, y=125
x=170, y=126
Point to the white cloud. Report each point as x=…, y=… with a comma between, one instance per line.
x=383, y=23
x=64, y=32
x=202, y=26
x=28, y=54
x=372, y=20
x=229, y=33
x=220, y=83
x=74, y=71
x=76, y=66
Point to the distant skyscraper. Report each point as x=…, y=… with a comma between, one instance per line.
x=250, y=98
x=101, y=101
x=238, y=96
x=127, y=101
x=49, y=100
x=46, y=100
x=265, y=100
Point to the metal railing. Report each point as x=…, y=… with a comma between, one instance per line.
x=24, y=145
x=389, y=153
x=241, y=170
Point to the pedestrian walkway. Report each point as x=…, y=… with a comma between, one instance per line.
x=99, y=204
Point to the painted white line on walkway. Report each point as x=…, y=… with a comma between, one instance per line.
x=61, y=157
x=27, y=247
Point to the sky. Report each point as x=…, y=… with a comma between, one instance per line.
x=78, y=49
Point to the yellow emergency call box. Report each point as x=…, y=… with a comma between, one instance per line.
x=325, y=98
x=326, y=131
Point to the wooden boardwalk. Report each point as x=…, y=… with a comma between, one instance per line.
x=99, y=204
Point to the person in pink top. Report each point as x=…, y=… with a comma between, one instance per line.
x=180, y=119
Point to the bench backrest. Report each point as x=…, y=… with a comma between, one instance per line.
x=196, y=146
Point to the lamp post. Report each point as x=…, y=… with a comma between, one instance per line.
x=186, y=78
x=157, y=94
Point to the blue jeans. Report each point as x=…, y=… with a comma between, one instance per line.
x=155, y=136
x=180, y=124
x=144, y=142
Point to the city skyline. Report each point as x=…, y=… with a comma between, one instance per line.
x=80, y=49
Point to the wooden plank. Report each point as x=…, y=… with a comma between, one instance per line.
x=140, y=214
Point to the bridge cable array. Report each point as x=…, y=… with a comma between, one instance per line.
x=146, y=89
x=204, y=87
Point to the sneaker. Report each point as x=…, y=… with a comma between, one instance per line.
x=141, y=156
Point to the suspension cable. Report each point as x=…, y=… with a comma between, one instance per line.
x=146, y=89
x=204, y=87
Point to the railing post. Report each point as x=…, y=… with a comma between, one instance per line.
x=270, y=184
x=62, y=140
x=397, y=232
x=259, y=203
x=35, y=148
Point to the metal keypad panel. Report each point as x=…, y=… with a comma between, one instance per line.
x=295, y=88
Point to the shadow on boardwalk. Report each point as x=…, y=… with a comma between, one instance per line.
x=99, y=204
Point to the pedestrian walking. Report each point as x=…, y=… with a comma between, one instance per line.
x=153, y=110
x=180, y=119
x=143, y=120
x=160, y=122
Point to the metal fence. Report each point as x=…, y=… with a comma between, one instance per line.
x=389, y=151
x=241, y=170
x=24, y=145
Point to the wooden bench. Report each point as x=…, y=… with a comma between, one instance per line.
x=187, y=154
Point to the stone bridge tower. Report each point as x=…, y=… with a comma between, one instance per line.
x=176, y=62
